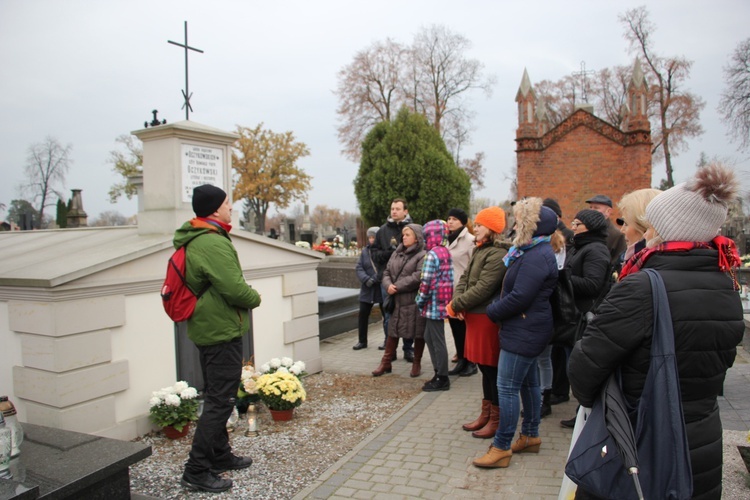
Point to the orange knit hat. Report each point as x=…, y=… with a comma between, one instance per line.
x=493, y=218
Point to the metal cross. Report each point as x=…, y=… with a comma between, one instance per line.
x=186, y=93
x=582, y=74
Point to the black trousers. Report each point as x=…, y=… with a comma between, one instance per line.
x=221, y=365
x=560, y=383
x=458, y=328
x=364, y=320
x=489, y=383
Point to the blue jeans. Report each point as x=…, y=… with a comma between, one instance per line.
x=545, y=368
x=516, y=373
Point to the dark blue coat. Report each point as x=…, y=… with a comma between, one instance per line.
x=365, y=271
x=523, y=310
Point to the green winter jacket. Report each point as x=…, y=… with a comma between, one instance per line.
x=221, y=313
x=482, y=280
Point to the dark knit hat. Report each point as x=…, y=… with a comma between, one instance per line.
x=207, y=199
x=493, y=218
x=459, y=214
x=553, y=205
x=593, y=220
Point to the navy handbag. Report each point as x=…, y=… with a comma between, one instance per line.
x=596, y=463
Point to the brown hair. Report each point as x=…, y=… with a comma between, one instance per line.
x=397, y=200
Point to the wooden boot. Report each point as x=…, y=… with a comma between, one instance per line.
x=526, y=444
x=488, y=431
x=495, y=458
x=481, y=420
x=385, y=363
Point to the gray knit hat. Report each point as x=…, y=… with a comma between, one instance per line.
x=372, y=231
x=694, y=210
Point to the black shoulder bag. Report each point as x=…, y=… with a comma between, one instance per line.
x=609, y=460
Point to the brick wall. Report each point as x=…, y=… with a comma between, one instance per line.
x=581, y=157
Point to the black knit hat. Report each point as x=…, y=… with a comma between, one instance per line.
x=593, y=220
x=459, y=214
x=553, y=205
x=207, y=199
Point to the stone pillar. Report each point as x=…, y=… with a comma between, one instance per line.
x=77, y=216
x=176, y=158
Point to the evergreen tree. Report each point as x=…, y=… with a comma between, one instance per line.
x=407, y=158
x=62, y=214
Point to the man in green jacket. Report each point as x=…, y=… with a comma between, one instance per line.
x=216, y=327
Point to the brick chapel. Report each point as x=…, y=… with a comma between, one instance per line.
x=583, y=155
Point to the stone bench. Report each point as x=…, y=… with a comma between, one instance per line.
x=56, y=464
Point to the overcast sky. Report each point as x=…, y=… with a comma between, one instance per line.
x=86, y=72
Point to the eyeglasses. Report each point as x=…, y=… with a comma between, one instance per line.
x=576, y=223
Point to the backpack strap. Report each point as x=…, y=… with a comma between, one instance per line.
x=205, y=288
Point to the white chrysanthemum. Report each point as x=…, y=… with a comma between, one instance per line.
x=287, y=362
x=282, y=369
x=275, y=363
x=180, y=386
x=172, y=400
x=250, y=386
x=300, y=365
x=264, y=368
x=295, y=369
x=154, y=402
x=189, y=393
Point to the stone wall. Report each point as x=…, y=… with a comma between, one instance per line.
x=338, y=272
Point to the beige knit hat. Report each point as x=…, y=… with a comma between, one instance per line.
x=694, y=210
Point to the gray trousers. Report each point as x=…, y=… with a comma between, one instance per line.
x=434, y=337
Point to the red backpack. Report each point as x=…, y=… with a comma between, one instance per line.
x=176, y=296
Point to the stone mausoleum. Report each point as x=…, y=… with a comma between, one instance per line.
x=84, y=337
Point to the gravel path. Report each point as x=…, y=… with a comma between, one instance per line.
x=339, y=412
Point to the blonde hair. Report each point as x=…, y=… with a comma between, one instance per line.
x=633, y=207
x=557, y=240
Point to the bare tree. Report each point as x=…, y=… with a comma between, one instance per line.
x=559, y=97
x=442, y=77
x=735, y=100
x=432, y=77
x=678, y=110
x=109, y=218
x=47, y=164
x=474, y=168
x=609, y=88
x=369, y=92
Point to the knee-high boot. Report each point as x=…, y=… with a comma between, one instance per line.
x=482, y=419
x=391, y=343
x=488, y=431
x=416, y=366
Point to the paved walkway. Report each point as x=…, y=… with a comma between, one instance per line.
x=422, y=452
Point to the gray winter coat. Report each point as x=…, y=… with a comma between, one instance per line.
x=403, y=270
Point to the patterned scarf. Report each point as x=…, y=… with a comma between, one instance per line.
x=729, y=259
x=515, y=252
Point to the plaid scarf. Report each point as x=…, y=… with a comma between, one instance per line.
x=515, y=252
x=729, y=259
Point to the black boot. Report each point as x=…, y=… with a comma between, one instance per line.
x=437, y=384
x=460, y=366
x=546, y=407
x=471, y=369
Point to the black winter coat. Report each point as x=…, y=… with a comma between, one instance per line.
x=365, y=271
x=589, y=268
x=708, y=325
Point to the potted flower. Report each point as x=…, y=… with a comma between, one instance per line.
x=284, y=365
x=247, y=392
x=173, y=408
x=281, y=392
